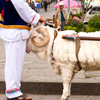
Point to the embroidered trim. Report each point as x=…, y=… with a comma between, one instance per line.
x=10, y=91
x=6, y=0
x=1, y=18
x=2, y=13
x=33, y=18
x=15, y=26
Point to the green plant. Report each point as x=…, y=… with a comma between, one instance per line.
x=71, y=28
x=94, y=22
x=75, y=23
x=90, y=29
x=93, y=25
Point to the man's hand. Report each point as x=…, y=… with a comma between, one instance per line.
x=41, y=19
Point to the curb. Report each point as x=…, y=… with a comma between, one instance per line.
x=56, y=88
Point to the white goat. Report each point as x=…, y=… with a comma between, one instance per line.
x=61, y=53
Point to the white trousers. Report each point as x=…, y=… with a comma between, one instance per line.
x=15, y=52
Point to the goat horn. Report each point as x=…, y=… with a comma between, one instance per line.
x=43, y=41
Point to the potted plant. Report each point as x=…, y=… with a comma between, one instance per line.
x=75, y=24
x=94, y=24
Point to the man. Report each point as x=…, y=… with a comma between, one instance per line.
x=32, y=5
x=45, y=5
x=38, y=7
x=61, y=16
x=16, y=18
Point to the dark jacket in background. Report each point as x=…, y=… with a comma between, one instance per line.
x=32, y=5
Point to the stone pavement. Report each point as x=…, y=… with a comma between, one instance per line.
x=38, y=70
x=57, y=97
x=39, y=78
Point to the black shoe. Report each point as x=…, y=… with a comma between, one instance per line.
x=22, y=97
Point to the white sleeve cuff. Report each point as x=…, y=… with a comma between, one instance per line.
x=35, y=19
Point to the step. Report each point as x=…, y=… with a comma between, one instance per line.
x=56, y=88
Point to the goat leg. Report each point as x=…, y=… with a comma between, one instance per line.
x=67, y=76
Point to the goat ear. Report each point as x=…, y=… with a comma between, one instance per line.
x=45, y=36
x=28, y=46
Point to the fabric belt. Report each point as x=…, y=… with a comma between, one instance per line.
x=55, y=35
x=78, y=68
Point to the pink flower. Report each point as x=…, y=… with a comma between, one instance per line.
x=76, y=18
